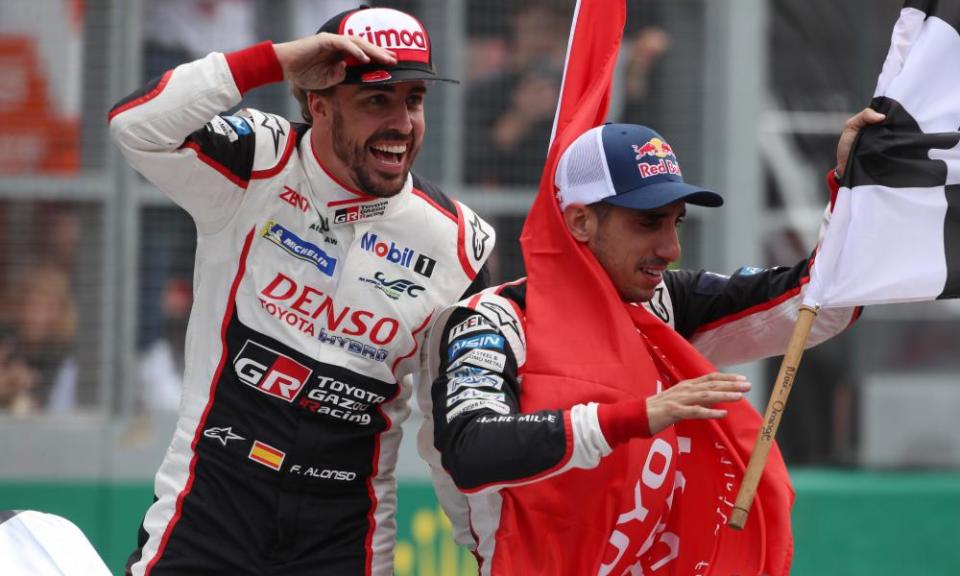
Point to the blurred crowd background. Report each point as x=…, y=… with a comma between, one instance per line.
x=96, y=265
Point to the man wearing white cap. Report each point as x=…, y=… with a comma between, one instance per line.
x=321, y=257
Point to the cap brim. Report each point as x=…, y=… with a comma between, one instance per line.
x=372, y=76
x=658, y=195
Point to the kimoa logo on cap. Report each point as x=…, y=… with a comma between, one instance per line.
x=390, y=29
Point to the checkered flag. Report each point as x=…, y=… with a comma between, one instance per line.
x=895, y=231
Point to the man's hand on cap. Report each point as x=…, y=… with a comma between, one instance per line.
x=319, y=61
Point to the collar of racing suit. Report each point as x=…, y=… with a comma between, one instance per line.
x=337, y=197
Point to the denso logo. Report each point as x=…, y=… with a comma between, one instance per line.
x=302, y=305
x=398, y=255
x=270, y=371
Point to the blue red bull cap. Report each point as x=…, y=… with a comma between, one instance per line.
x=626, y=165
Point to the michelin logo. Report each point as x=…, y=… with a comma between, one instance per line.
x=298, y=247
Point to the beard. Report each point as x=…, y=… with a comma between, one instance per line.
x=353, y=155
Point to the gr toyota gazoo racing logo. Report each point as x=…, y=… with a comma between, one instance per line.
x=360, y=212
x=270, y=371
x=391, y=29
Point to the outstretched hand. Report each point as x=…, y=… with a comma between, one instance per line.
x=319, y=61
x=693, y=399
x=852, y=127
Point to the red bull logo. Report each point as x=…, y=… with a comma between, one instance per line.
x=654, y=147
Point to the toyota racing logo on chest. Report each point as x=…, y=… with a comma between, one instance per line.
x=390, y=29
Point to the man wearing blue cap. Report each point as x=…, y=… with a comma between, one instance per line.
x=621, y=192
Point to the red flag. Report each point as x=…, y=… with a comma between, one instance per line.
x=659, y=504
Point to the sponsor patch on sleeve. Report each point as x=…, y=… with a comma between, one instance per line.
x=473, y=393
x=474, y=323
x=239, y=125
x=477, y=404
x=749, y=271
x=473, y=381
x=483, y=341
x=480, y=358
x=220, y=126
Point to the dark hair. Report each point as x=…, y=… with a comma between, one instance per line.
x=601, y=209
x=301, y=95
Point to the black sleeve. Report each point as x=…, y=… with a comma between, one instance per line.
x=229, y=141
x=480, y=283
x=700, y=298
x=482, y=437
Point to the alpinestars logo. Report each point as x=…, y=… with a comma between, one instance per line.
x=480, y=237
x=222, y=434
x=270, y=371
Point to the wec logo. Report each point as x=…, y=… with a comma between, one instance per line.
x=394, y=289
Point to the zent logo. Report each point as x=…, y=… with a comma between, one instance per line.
x=295, y=199
x=270, y=372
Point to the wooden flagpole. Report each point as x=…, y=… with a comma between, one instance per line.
x=771, y=418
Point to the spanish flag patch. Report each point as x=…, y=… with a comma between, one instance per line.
x=266, y=455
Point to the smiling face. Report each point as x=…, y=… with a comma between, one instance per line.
x=633, y=246
x=368, y=136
